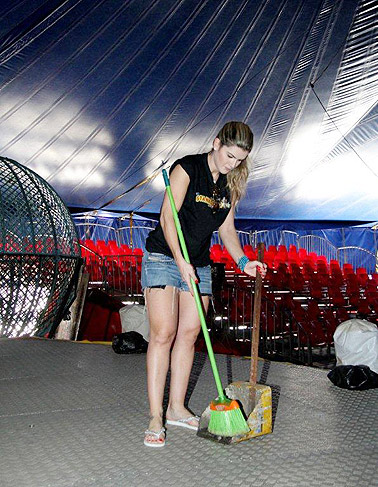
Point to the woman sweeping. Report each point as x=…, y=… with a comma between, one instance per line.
x=206, y=189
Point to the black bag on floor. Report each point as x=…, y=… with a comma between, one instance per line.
x=129, y=342
x=353, y=377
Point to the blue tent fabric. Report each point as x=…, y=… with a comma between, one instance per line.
x=97, y=97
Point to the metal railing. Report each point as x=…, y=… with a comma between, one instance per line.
x=319, y=245
x=288, y=238
x=245, y=238
x=96, y=231
x=134, y=236
x=358, y=257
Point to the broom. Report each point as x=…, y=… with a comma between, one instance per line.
x=226, y=417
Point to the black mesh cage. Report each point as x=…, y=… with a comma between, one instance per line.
x=39, y=253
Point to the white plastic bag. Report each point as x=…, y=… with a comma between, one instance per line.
x=135, y=318
x=356, y=343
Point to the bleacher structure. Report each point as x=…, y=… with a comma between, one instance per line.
x=305, y=296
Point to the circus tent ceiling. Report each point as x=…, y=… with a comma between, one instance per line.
x=98, y=97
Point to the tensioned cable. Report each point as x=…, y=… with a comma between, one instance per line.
x=271, y=67
x=69, y=60
x=227, y=66
x=43, y=115
x=310, y=169
x=127, y=95
x=341, y=133
x=12, y=8
x=328, y=14
x=36, y=30
x=313, y=166
x=163, y=124
x=289, y=77
x=249, y=80
x=247, y=69
x=222, y=73
x=157, y=94
x=75, y=23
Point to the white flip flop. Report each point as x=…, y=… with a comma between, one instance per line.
x=156, y=435
x=184, y=423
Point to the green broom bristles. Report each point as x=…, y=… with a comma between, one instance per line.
x=226, y=418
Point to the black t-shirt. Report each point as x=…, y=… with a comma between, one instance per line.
x=204, y=209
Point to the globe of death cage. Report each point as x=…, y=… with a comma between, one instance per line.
x=39, y=253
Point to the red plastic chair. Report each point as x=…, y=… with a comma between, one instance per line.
x=354, y=298
x=125, y=249
x=313, y=256
x=352, y=283
x=342, y=315
x=269, y=258
x=216, y=253
x=336, y=278
x=361, y=270
x=336, y=297
x=102, y=248
x=282, y=254
x=330, y=324
x=113, y=247
x=302, y=254
x=272, y=249
x=249, y=252
x=136, y=260
x=315, y=289
x=334, y=265
x=363, y=279
x=347, y=269
x=363, y=307
x=227, y=260
x=313, y=310
x=309, y=263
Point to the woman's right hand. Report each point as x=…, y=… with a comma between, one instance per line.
x=187, y=272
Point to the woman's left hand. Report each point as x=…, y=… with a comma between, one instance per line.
x=254, y=266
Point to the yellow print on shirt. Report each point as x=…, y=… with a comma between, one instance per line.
x=212, y=203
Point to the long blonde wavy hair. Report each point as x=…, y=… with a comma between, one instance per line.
x=239, y=134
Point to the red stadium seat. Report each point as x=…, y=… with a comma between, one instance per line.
x=361, y=270
x=113, y=247
x=362, y=279
x=313, y=310
x=347, y=269
x=249, y=252
x=363, y=307
x=125, y=249
x=342, y=315
x=102, y=248
x=272, y=249
x=302, y=254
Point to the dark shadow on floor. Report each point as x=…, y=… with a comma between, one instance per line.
x=198, y=364
x=276, y=390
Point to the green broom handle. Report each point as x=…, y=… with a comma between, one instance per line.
x=195, y=290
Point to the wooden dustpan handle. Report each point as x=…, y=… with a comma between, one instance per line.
x=256, y=324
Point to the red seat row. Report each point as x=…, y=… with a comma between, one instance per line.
x=111, y=248
x=118, y=266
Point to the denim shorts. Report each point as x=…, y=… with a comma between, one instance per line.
x=159, y=270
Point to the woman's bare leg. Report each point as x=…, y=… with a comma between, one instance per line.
x=162, y=306
x=182, y=354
